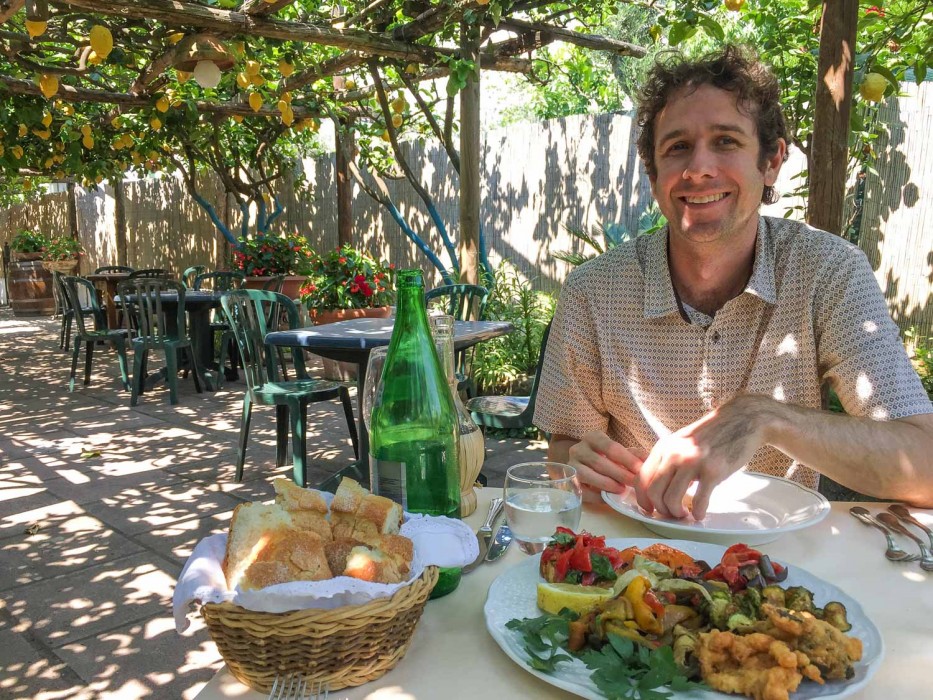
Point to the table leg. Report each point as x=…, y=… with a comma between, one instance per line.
x=199, y=330
x=359, y=470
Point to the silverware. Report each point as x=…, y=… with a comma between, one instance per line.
x=500, y=544
x=893, y=552
x=294, y=686
x=926, y=558
x=484, y=534
x=901, y=512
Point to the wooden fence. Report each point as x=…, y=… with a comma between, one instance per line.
x=539, y=178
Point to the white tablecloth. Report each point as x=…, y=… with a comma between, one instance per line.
x=453, y=657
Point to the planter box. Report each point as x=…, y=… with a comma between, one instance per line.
x=345, y=371
x=63, y=267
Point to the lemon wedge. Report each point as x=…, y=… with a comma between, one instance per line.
x=552, y=597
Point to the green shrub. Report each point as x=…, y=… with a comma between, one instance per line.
x=923, y=358
x=506, y=365
x=29, y=242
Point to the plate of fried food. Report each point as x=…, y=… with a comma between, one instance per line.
x=747, y=507
x=633, y=617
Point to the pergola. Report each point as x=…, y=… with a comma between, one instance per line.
x=385, y=44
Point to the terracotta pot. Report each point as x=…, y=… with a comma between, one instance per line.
x=63, y=267
x=344, y=371
x=292, y=284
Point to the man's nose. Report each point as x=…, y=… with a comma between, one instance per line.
x=701, y=164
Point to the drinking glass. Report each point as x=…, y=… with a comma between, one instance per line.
x=372, y=387
x=539, y=497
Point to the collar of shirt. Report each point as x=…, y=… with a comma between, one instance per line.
x=660, y=299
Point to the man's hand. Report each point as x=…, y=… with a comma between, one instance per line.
x=706, y=451
x=602, y=463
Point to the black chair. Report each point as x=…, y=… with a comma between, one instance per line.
x=116, y=337
x=509, y=411
x=246, y=311
x=191, y=273
x=465, y=302
x=149, y=273
x=68, y=311
x=113, y=268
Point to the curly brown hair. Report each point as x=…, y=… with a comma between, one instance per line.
x=732, y=68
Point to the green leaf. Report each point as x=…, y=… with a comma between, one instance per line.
x=920, y=71
x=677, y=33
x=713, y=28
x=886, y=72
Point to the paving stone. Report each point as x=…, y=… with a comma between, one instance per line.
x=146, y=659
x=177, y=540
x=26, y=673
x=41, y=467
x=18, y=514
x=93, y=600
x=63, y=545
x=90, y=487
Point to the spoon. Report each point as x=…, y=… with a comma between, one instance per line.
x=926, y=558
x=904, y=514
x=893, y=552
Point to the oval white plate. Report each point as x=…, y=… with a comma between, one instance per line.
x=514, y=595
x=746, y=507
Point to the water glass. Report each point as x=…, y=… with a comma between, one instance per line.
x=372, y=387
x=539, y=497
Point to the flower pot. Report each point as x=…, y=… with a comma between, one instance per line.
x=31, y=289
x=345, y=371
x=63, y=267
x=290, y=289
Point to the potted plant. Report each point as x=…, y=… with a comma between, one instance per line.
x=61, y=254
x=30, y=283
x=347, y=283
x=265, y=255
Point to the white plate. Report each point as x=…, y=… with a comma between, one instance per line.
x=746, y=507
x=514, y=595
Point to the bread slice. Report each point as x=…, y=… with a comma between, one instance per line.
x=349, y=496
x=290, y=555
x=337, y=552
x=251, y=529
x=307, y=508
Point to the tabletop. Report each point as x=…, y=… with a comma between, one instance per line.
x=453, y=656
x=192, y=298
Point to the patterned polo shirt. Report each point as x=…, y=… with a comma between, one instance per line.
x=623, y=358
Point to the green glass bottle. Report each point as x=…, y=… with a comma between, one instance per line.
x=414, y=428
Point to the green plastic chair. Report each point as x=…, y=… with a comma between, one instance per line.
x=465, y=302
x=509, y=412
x=190, y=274
x=247, y=311
x=152, y=328
x=149, y=273
x=116, y=337
x=69, y=311
x=221, y=281
x=114, y=268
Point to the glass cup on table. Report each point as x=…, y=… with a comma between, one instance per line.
x=372, y=386
x=539, y=497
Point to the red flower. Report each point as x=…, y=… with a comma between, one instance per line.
x=366, y=289
x=355, y=288
x=391, y=266
x=874, y=10
x=359, y=279
x=342, y=260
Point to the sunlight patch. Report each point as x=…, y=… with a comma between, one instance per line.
x=778, y=393
x=863, y=387
x=870, y=327
x=788, y=346
x=73, y=476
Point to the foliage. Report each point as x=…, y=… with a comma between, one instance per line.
x=507, y=364
x=26, y=241
x=348, y=278
x=268, y=253
x=923, y=358
x=62, y=248
x=612, y=235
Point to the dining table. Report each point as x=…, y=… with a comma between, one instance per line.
x=453, y=656
x=106, y=283
x=352, y=341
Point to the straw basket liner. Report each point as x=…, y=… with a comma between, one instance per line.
x=342, y=647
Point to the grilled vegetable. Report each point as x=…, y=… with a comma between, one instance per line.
x=775, y=595
x=835, y=614
x=799, y=598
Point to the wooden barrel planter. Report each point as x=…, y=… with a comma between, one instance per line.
x=31, y=288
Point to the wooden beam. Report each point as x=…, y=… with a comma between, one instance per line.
x=829, y=149
x=588, y=41
x=257, y=8
x=11, y=7
x=178, y=12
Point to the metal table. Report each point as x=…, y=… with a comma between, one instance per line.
x=352, y=341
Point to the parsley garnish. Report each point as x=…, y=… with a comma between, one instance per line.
x=544, y=638
x=562, y=538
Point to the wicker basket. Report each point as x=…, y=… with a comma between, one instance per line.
x=342, y=647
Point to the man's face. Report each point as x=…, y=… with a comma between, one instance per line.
x=706, y=153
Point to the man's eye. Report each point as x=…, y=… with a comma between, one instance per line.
x=677, y=147
x=728, y=141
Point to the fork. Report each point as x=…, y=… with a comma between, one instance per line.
x=893, y=552
x=294, y=686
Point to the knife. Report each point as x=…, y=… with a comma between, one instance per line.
x=484, y=534
x=500, y=543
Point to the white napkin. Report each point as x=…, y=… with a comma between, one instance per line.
x=438, y=541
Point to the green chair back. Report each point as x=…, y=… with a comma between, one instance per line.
x=114, y=268
x=191, y=273
x=465, y=302
x=219, y=281
x=71, y=295
x=150, y=272
x=146, y=317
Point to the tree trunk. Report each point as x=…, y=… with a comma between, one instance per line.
x=469, y=161
x=119, y=216
x=345, y=145
x=829, y=148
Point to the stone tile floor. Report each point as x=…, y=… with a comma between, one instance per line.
x=100, y=504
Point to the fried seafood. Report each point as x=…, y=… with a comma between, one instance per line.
x=756, y=665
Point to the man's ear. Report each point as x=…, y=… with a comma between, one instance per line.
x=774, y=163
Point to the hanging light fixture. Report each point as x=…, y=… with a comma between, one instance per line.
x=205, y=57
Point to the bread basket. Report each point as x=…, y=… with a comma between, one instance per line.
x=342, y=647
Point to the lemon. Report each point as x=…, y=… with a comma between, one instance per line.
x=46, y=119
x=36, y=27
x=350, y=84
x=17, y=152
x=734, y=5
x=287, y=96
x=43, y=134
x=48, y=84
x=86, y=129
x=88, y=142
x=282, y=105
x=552, y=597
x=238, y=48
x=412, y=69
x=155, y=123
x=116, y=122
x=285, y=68
x=183, y=76
x=23, y=130
x=255, y=101
x=386, y=137
x=287, y=116
x=162, y=104
x=49, y=162
x=873, y=87
x=397, y=120
x=68, y=110
x=257, y=80
x=252, y=68
x=237, y=118
x=398, y=104
x=175, y=37
x=94, y=58
x=101, y=40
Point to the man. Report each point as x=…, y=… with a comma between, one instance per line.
x=684, y=356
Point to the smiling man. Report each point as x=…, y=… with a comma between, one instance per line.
x=685, y=356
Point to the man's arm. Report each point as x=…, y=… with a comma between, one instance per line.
x=602, y=464
x=892, y=459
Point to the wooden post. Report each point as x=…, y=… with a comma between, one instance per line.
x=346, y=143
x=119, y=215
x=72, y=212
x=469, y=160
x=829, y=147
